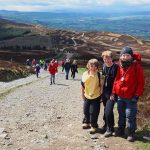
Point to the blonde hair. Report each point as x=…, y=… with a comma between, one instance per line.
x=74, y=62
x=107, y=54
x=92, y=62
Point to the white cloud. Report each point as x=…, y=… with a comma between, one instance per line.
x=37, y=5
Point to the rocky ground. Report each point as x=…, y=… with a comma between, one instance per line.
x=35, y=115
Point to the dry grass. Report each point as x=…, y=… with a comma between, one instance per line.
x=144, y=103
x=11, y=70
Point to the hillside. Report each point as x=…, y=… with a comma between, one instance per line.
x=26, y=129
x=53, y=42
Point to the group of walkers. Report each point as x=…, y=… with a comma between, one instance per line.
x=120, y=83
x=67, y=66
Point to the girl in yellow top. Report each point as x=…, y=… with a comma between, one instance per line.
x=91, y=91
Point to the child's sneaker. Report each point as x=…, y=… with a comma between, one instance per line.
x=86, y=126
x=93, y=130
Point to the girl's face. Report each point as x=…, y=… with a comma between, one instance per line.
x=107, y=60
x=92, y=68
x=125, y=57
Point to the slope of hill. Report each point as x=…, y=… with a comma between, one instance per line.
x=80, y=45
x=53, y=41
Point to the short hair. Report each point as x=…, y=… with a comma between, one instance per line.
x=107, y=54
x=92, y=62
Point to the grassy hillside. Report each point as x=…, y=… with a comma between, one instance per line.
x=11, y=32
x=10, y=71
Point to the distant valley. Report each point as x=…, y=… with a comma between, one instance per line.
x=21, y=41
x=135, y=24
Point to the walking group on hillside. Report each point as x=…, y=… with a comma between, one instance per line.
x=120, y=83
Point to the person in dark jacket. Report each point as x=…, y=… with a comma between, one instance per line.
x=74, y=69
x=109, y=72
x=37, y=70
x=67, y=67
x=128, y=85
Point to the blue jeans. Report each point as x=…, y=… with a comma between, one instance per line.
x=108, y=116
x=127, y=110
x=67, y=74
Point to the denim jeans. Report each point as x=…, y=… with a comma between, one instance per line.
x=91, y=111
x=127, y=110
x=67, y=74
x=52, y=79
x=108, y=116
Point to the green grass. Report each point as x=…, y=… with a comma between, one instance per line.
x=81, y=70
x=8, y=33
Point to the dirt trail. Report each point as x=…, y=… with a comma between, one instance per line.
x=40, y=116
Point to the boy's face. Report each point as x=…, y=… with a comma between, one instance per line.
x=125, y=57
x=92, y=68
x=107, y=60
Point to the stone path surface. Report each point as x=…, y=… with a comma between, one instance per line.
x=38, y=116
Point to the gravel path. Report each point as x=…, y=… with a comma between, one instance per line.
x=40, y=116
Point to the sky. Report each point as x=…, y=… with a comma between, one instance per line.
x=54, y=5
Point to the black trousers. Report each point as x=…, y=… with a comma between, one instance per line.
x=73, y=74
x=91, y=109
x=108, y=116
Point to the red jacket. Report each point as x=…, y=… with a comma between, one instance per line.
x=52, y=68
x=56, y=66
x=132, y=84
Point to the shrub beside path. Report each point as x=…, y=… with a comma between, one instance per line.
x=40, y=116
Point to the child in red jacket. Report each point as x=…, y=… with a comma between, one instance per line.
x=128, y=86
x=52, y=68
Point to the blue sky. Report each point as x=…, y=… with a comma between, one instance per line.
x=97, y=5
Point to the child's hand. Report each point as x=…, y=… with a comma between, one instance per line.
x=83, y=97
x=112, y=97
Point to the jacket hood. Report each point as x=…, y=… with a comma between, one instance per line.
x=137, y=56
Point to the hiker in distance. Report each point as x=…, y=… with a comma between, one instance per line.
x=67, y=67
x=74, y=69
x=52, y=68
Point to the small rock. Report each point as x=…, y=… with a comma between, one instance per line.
x=28, y=114
x=3, y=136
x=2, y=130
x=58, y=117
x=9, y=144
x=46, y=136
x=106, y=146
x=94, y=136
x=7, y=138
x=31, y=130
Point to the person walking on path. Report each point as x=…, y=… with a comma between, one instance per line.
x=52, y=70
x=109, y=72
x=37, y=70
x=91, y=91
x=128, y=85
x=67, y=67
x=74, y=69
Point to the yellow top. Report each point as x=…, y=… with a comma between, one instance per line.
x=92, y=88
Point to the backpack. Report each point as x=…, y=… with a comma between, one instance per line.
x=99, y=77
